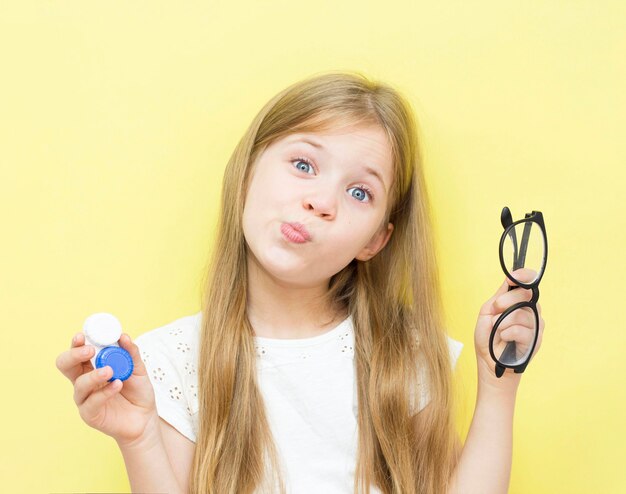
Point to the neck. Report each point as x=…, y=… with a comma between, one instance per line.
x=282, y=310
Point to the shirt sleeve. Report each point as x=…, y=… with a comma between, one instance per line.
x=455, y=347
x=168, y=381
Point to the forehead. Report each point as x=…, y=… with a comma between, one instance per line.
x=371, y=140
x=366, y=147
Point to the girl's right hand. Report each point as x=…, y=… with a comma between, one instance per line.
x=120, y=409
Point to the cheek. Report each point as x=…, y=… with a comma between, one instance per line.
x=268, y=185
x=256, y=192
x=260, y=206
x=347, y=244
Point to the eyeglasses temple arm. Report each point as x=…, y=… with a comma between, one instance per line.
x=506, y=219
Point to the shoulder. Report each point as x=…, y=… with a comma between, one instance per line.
x=170, y=354
x=183, y=332
x=421, y=397
x=455, y=348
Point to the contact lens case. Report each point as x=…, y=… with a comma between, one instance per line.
x=103, y=331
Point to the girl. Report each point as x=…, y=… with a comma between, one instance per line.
x=319, y=362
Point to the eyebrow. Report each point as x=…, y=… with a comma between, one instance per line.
x=368, y=169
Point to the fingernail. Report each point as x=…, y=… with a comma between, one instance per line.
x=86, y=350
x=103, y=371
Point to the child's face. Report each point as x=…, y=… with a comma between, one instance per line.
x=328, y=197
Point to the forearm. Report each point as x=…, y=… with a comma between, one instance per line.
x=148, y=466
x=485, y=463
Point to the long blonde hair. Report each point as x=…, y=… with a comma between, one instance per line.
x=393, y=298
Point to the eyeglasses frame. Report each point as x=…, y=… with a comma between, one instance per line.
x=519, y=259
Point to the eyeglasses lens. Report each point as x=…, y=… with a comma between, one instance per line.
x=523, y=253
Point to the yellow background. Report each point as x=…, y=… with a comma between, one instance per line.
x=117, y=120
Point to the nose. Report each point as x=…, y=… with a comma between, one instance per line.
x=322, y=202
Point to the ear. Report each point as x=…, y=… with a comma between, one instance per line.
x=379, y=240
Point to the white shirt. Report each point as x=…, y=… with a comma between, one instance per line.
x=308, y=387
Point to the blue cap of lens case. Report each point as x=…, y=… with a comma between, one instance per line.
x=103, y=331
x=118, y=359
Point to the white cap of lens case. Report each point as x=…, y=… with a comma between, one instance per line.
x=103, y=331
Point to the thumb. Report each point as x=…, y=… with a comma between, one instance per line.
x=138, y=366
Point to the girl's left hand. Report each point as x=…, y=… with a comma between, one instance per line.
x=522, y=332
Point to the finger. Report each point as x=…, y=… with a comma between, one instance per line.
x=78, y=340
x=523, y=317
x=520, y=334
x=127, y=344
x=525, y=275
x=488, y=307
x=91, y=382
x=538, y=344
x=75, y=362
x=94, y=403
x=507, y=299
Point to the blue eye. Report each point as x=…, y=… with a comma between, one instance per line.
x=366, y=190
x=302, y=160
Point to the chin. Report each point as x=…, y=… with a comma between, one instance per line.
x=291, y=273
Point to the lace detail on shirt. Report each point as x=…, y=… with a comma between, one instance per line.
x=262, y=353
x=190, y=369
x=158, y=374
x=192, y=399
x=183, y=347
x=348, y=350
x=193, y=390
x=175, y=331
x=347, y=339
x=284, y=352
x=176, y=393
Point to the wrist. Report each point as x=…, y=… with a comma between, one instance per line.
x=150, y=437
x=488, y=382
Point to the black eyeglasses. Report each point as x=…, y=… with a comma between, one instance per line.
x=514, y=335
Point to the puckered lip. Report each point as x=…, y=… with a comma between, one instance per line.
x=299, y=227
